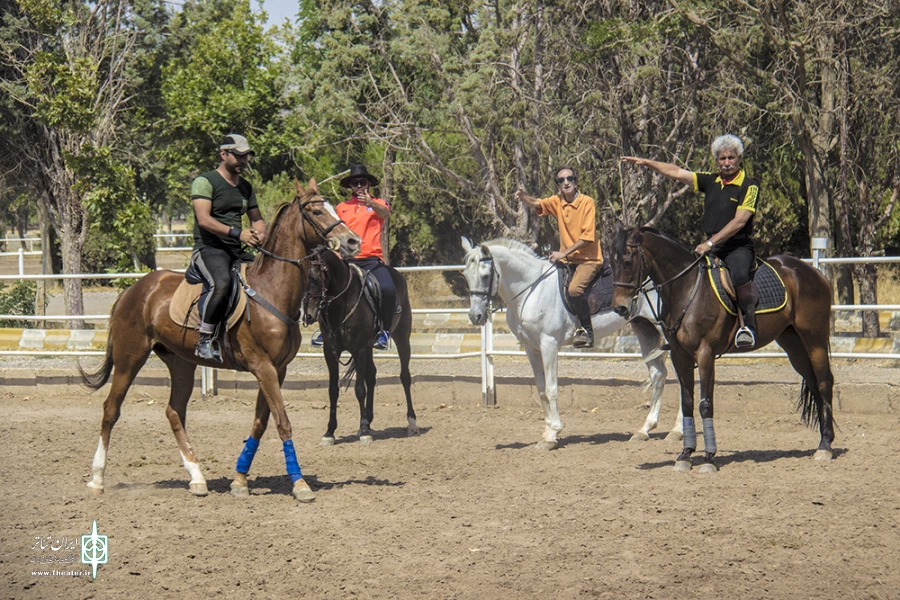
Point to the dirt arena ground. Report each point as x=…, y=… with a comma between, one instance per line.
x=468, y=509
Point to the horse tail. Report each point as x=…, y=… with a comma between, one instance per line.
x=98, y=379
x=808, y=406
x=347, y=377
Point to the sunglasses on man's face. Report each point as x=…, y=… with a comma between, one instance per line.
x=359, y=182
x=571, y=178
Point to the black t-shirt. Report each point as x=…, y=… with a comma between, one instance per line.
x=229, y=203
x=722, y=201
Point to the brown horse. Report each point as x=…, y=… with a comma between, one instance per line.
x=336, y=298
x=262, y=342
x=699, y=329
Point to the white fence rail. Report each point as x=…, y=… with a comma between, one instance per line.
x=486, y=353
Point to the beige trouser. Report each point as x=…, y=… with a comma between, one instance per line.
x=584, y=274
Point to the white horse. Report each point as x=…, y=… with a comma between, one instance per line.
x=528, y=286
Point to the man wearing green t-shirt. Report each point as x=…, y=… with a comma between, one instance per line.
x=220, y=198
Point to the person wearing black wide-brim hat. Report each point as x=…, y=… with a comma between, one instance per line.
x=365, y=215
x=358, y=172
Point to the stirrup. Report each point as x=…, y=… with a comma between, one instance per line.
x=744, y=338
x=382, y=340
x=207, y=349
x=583, y=338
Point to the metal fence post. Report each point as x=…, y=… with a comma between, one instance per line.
x=21, y=261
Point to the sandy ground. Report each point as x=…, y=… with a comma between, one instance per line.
x=469, y=508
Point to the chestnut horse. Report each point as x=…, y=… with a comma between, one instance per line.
x=262, y=342
x=336, y=299
x=699, y=329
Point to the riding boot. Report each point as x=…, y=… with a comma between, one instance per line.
x=208, y=348
x=746, y=335
x=584, y=335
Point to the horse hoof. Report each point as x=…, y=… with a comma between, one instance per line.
x=199, y=489
x=674, y=436
x=412, y=432
x=640, y=436
x=365, y=440
x=545, y=445
x=240, y=491
x=682, y=465
x=302, y=492
x=825, y=455
x=96, y=490
x=327, y=441
x=707, y=468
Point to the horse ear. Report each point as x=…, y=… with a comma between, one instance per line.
x=312, y=185
x=298, y=186
x=466, y=244
x=485, y=250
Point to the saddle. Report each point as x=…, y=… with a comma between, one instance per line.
x=599, y=292
x=769, y=286
x=372, y=292
x=183, y=307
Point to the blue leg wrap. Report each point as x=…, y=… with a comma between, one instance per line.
x=690, y=434
x=709, y=437
x=290, y=460
x=246, y=458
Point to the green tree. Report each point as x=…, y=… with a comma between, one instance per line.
x=64, y=71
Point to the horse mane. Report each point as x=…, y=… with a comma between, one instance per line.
x=276, y=221
x=514, y=245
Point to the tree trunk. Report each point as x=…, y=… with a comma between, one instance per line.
x=72, y=294
x=387, y=191
x=868, y=294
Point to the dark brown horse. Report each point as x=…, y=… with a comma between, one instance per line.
x=336, y=298
x=262, y=342
x=699, y=329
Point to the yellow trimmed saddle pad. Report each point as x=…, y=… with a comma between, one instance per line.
x=768, y=283
x=185, y=299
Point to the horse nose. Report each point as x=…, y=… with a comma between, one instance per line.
x=621, y=310
x=477, y=318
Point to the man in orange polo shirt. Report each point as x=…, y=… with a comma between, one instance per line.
x=578, y=244
x=365, y=215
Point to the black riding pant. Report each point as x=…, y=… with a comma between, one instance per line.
x=388, y=292
x=739, y=260
x=214, y=265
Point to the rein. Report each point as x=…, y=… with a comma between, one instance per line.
x=642, y=288
x=489, y=293
x=323, y=232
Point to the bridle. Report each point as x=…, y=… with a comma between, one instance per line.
x=494, y=279
x=647, y=285
x=323, y=300
x=331, y=243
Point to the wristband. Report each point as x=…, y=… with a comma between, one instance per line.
x=235, y=233
x=710, y=242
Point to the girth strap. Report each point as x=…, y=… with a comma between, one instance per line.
x=254, y=295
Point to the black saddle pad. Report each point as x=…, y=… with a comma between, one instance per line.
x=599, y=293
x=193, y=276
x=768, y=283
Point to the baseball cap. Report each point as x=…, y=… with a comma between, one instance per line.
x=236, y=144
